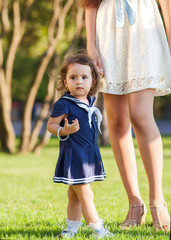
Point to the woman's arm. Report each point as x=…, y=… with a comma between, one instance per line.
x=90, y=20
x=166, y=10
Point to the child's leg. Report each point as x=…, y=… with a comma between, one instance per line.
x=73, y=214
x=74, y=206
x=86, y=198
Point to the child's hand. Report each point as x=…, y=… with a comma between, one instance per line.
x=70, y=128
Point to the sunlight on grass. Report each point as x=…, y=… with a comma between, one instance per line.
x=33, y=207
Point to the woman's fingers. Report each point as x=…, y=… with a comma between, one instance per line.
x=97, y=61
x=95, y=56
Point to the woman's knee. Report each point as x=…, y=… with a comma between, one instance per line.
x=119, y=124
x=141, y=108
x=139, y=119
x=117, y=113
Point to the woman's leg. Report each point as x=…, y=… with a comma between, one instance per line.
x=151, y=150
x=122, y=145
x=86, y=198
x=149, y=141
x=74, y=206
x=117, y=110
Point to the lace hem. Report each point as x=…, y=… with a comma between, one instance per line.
x=134, y=85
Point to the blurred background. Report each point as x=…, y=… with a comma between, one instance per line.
x=34, y=38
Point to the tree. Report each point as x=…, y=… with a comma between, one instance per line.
x=12, y=33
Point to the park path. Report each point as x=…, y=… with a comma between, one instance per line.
x=163, y=125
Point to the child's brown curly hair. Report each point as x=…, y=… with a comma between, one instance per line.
x=80, y=59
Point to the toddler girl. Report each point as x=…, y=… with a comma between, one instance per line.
x=76, y=122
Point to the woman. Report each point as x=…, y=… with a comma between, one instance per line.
x=127, y=40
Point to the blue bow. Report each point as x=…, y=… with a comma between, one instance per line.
x=120, y=12
x=89, y=109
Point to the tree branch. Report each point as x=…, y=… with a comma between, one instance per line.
x=6, y=113
x=39, y=75
x=79, y=26
x=14, y=43
x=55, y=16
x=43, y=114
x=62, y=20
x=5, y=18
x=18, y=32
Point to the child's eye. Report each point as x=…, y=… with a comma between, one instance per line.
x=84, y=77
x=73, y=78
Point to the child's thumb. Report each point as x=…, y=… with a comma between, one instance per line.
x=66, y=121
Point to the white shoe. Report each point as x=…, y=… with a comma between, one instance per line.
x=98, y=230
x=71, y=230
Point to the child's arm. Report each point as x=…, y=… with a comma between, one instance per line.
x=166, y=10
x=54, y=124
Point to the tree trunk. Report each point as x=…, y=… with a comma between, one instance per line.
x=26, y=129
x=43, y=141
x=43, y=115
x=7, y=130
x=3, y=133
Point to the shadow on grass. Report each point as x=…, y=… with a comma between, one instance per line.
x=144, y=232
x=35, y=230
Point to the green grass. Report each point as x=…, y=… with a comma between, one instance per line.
x=33, y=207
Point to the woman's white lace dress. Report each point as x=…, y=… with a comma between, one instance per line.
x=135, y=56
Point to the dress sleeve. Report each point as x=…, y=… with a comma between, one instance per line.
x=59, y=108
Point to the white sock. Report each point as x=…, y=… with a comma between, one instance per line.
x=73, y=225
x=96, y=226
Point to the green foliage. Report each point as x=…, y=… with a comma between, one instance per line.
x=33, y=207
x=33, y=45
x=162, y=107
x=24, y=72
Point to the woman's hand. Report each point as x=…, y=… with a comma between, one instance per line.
x=95, y=56
x=69, y=128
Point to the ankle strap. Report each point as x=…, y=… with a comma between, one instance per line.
x=158, y=205
x=137, y=205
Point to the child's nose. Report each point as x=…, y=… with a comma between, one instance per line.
x=79, y=80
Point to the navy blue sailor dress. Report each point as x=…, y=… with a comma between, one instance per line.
x=79, y=160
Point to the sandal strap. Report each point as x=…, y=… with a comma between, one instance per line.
x=156, y=224
x=161, y=220
x=136, y=205
x=132, y=222
x=158, y=205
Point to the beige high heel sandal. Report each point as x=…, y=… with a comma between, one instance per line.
x=135, y=222
x=161, y=219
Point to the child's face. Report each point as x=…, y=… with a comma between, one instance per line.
x=79, y=80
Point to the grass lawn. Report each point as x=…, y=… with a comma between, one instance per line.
x=33, y=207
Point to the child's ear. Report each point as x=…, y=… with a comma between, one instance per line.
x=65, y=82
